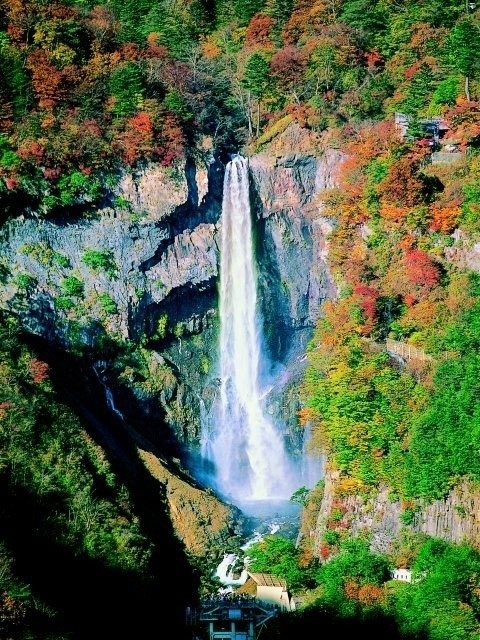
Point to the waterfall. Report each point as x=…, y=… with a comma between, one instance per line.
x=247, y=451
x=99, y=369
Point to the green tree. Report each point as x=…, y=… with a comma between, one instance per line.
x=446, y=92
x=279, y=556
x=257, y=80
x=300, y=496
x=323, y=69
x=464, y=49
x=443, y=602
x=369, y=16
x=130, y=14
x=14, y=84
x=173, y=28
x=417, y=91
x=356, y=563
x=126, y=87
x=257, y=77
x=245, y=9
x=175, y=102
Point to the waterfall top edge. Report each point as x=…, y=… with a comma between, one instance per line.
x=237, y=156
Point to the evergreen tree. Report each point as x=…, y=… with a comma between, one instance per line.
x=245, y=9
x=257, y=76
x=125, y=86
x=175, y=27
x=464, y=45
x=417, y=94
x=367, y=16
x=279, y=9
x=14, y=84
x=130, y=13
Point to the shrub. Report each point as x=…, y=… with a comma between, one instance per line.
x=61, y=260
x=10, y=160
x=72, y=286
x=408, y=516
x=331, y=537
x=300, y=496
x=107, y=303
x=25, y=281
x=64, y=303
x=336, y=515
x=162, y=326
x=77, y=187
x=100, y=260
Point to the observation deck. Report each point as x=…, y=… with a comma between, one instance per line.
x=230, y=617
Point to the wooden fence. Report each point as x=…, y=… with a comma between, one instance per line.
x=406, y=351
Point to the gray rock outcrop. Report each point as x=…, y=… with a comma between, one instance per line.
x=454, y=519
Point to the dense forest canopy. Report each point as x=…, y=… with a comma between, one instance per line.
x=87, y=88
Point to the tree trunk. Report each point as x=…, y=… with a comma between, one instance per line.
x=258, y=118
x=467, y=88
x=249, y=116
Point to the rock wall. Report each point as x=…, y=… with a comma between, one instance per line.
x=143, y=270
x=454, y=519
x=159, y=238
x=292, y=249
x=292, y=243
x=464, y=252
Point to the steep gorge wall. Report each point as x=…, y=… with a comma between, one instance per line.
x=292, y=245
x=160, y=233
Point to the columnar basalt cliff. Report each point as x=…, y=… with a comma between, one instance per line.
x=454, y=519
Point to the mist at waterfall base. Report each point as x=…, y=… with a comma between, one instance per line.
x=248, y=455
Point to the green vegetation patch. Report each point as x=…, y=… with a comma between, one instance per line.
x=100, y=261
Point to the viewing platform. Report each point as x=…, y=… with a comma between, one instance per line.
x=232, y=617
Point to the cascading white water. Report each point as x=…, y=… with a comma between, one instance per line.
x=246, y=449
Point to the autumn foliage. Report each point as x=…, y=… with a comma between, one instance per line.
x=39, y=370
x=421, y=270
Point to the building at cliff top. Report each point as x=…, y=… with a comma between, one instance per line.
x=434, y=128
x=268, y=589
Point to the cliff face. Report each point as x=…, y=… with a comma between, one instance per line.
x=156, y=237
x=143, y=271
x=157, y=265
x=294, y=278
x=292, y=248
x=454, y=519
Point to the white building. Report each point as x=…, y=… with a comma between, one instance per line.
x=405, y=575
